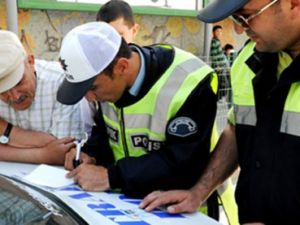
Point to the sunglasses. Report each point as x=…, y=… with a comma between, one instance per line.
x=244, y=21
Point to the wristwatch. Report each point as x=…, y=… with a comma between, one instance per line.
x=4, y=138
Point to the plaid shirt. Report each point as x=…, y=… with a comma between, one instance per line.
x=46, y=113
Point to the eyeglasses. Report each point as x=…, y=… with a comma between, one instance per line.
x=244, y=22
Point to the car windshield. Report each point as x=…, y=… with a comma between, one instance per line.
x=21, y=204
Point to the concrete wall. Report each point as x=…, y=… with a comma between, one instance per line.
x=42, y=31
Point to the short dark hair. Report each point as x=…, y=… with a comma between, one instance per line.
x=216, y=27
x=124, y=51
x=115, y=9
x=228, y=46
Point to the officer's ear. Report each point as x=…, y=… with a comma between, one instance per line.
x=30, y=59
x=293, y=11
x=122, y=66
x=295, y=7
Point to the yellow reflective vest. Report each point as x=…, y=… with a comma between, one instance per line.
x=141, y=126
x=268, y=135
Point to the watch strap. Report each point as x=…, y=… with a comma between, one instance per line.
x=8, y=130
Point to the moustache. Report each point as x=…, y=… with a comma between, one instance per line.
x=18, y=101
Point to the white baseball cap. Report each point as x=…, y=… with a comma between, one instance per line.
x=85, y=52
x=12, y=60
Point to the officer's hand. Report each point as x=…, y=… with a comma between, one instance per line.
x=90, y=177
x=177, y=201
x=84, y=158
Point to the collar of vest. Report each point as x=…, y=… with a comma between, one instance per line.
x=260, y=62
x=291, y=73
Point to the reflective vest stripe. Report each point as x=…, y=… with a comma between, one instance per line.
x=291, y=114
x=174, y=83
x=245, y=115
x=244, y=106
x=109, y=115
x=290, y=123
x=170, y=96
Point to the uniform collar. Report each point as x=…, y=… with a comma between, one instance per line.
x=136, y=87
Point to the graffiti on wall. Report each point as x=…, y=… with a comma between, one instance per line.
x=52, y=42
x=183, y=32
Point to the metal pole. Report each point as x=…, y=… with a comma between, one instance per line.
x=207, y=35
x=207, y=39
x=12, y=15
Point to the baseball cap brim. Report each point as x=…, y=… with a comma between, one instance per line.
x=220, y=9
x=70, y=93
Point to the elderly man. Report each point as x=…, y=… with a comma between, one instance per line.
x=34, y=127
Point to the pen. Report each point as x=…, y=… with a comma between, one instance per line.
x=76, y=161
x=79, y=143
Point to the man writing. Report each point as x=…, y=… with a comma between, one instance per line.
x=158, y=105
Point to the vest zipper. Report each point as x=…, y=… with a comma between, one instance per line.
x=123, y=134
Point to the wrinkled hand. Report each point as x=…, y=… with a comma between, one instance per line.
x=54, y=152
x=84, y=159
x=90, y=177
x=177, y=201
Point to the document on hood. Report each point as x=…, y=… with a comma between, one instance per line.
x=49, y=176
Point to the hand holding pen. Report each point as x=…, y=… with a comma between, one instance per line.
x=79, y=143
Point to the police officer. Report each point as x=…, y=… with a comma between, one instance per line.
x=156, y=114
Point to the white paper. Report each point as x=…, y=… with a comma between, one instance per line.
x=49, y=176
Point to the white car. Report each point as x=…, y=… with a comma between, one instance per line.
x=21, y=203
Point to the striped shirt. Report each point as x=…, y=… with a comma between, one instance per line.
x=46, y=114
x=218, y=60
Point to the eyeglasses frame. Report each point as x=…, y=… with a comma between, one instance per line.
x=244, y=22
